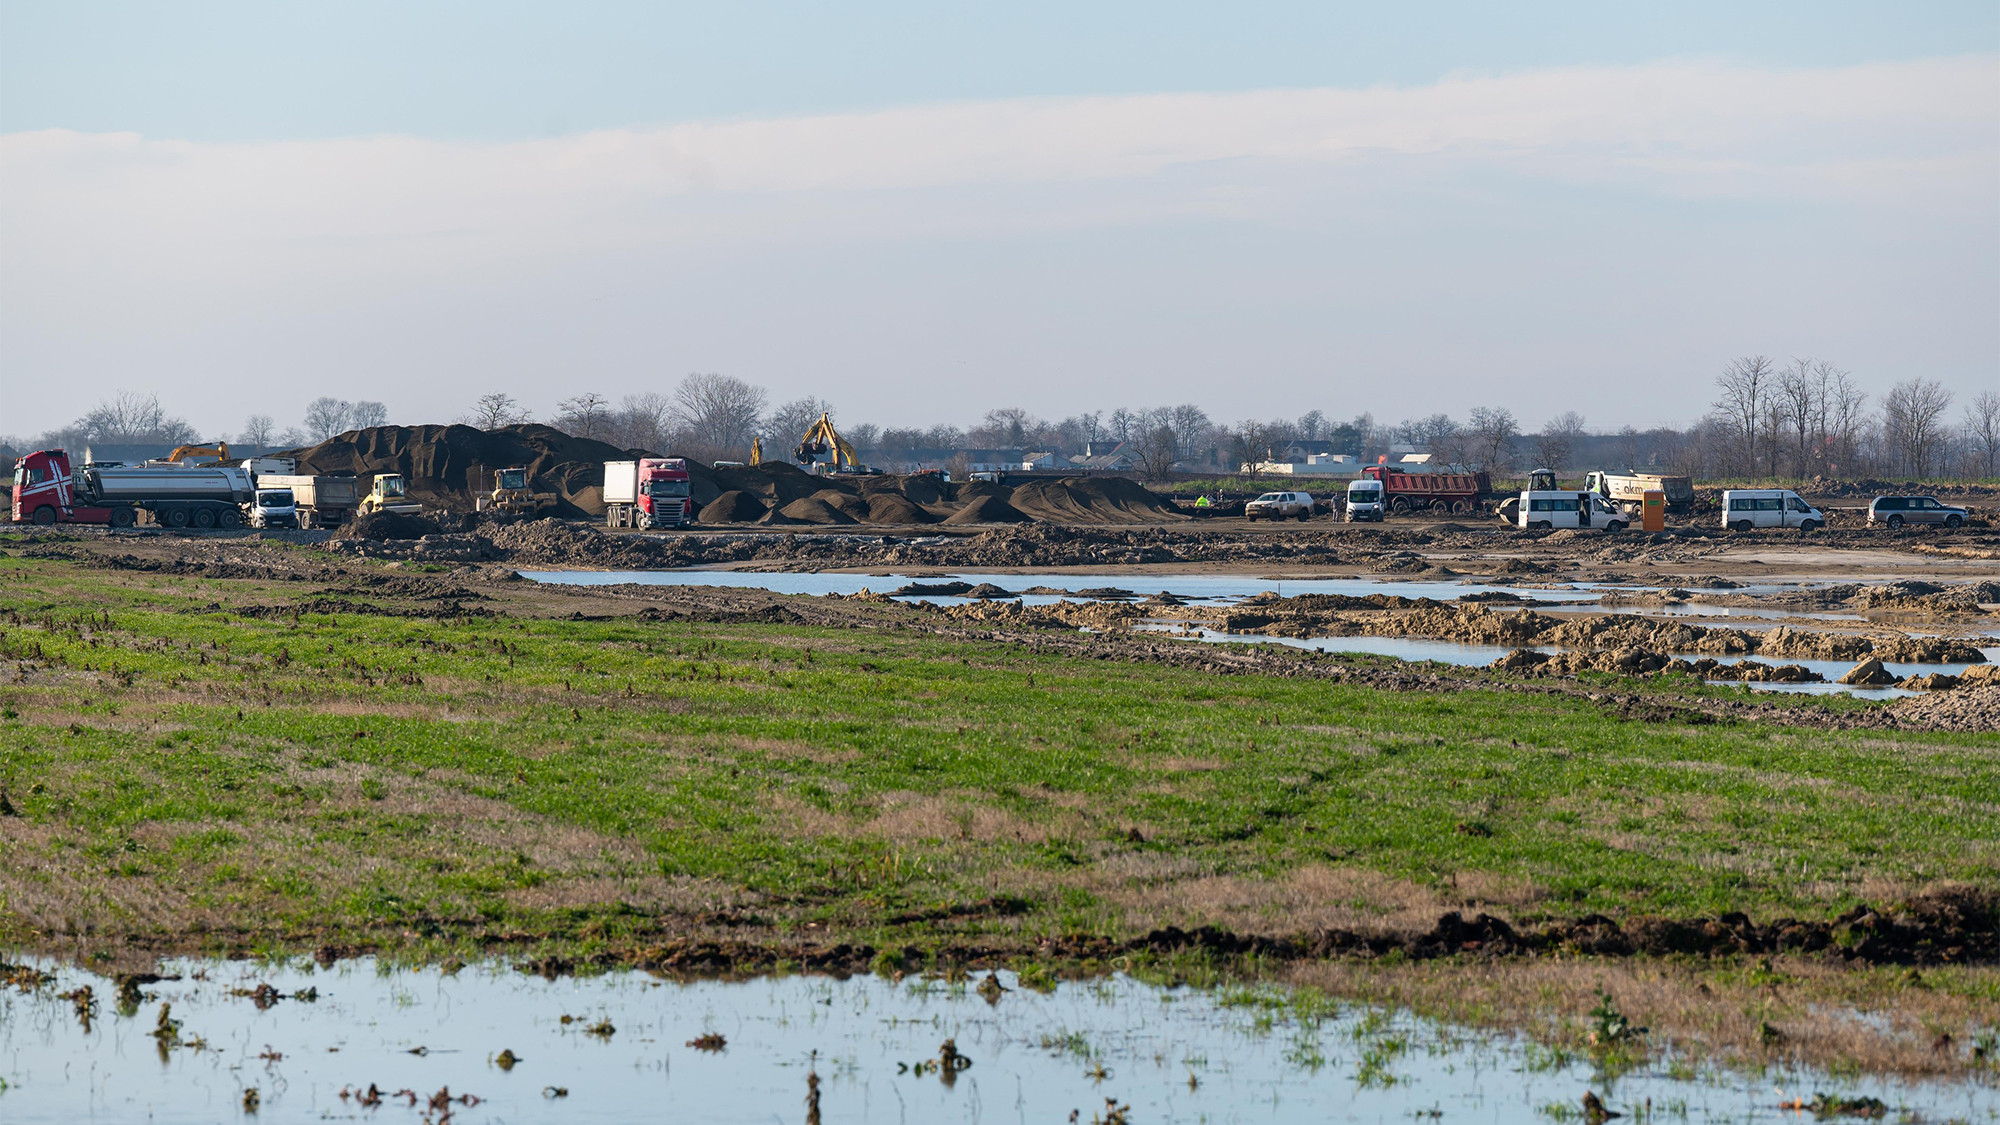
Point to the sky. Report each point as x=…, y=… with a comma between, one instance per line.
x=920, y=212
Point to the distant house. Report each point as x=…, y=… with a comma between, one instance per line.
x=1104, y=457
x=1038, y=462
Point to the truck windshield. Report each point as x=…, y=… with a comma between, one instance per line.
x=275, y=498
x=1364, y=495
x=1271, y=498
x=667, y=488
x=391, y=486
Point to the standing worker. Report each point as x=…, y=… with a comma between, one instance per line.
x=1583, y=509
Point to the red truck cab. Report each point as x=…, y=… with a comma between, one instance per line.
x=45, y=492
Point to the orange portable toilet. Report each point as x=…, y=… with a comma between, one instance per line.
x=1653, y=510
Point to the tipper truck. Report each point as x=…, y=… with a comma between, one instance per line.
x=651, y=492
x=321, y=501
x=1628, y=489
x=1454, y=492
x=47, y=491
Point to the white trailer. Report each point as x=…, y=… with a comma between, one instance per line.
x=177, y=495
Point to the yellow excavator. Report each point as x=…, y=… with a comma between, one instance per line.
x=219, y=451
x=822, y=439
x=512, y=494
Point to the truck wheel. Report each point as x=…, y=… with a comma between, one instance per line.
x=1809, y=525
x=229, y=519
x=1614, y=527
x=45, y=516
x=1540, y=525
x=1740, y=526
x=1895, y=523
x=122, y=516
x=1304, y=515
x=1952, y=522
x=177, y=517
x=204, y=518
x=1399, y=504
x=1462, y=508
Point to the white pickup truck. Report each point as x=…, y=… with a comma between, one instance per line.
x=1279, y=506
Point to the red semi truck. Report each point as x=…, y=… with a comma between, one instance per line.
x=1452, y=492
x=651, y=492
x=46, y=491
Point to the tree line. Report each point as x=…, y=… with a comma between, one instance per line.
x=1801, y=419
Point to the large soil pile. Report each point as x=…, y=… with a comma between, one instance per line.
x=439, y=463
x=781, y=493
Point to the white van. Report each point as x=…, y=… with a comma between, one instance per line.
x=1541, y=509
x=1366, y=500
x=274, y=507
x=1745, y=508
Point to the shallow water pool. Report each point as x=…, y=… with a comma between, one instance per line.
x=624, y=1054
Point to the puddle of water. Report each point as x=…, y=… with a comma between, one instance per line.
x=1169, y=1055
x=1470, y=656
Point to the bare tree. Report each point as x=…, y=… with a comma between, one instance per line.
x=1312, y=425
x=1558, y=440
x=1193, y=431
x=788, y=423
x=717, y=414
x=1982, y=432
x=642, y=421
x=1490, y=437
x=1121, y=424
x=585, y=415
x=1746, y=387
x=495, y=410
x=325, y=417
x=258, y=429
x=1845, y=417
x=366, y=415
x=1913, y=424
x=130, y=417
x=1156, y=449
x=1009, y=427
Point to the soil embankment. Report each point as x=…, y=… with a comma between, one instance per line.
x=446, y=465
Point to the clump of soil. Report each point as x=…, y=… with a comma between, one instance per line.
x=388, y=525
x=1966, y=708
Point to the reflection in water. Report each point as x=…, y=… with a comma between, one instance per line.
x=368, y=1042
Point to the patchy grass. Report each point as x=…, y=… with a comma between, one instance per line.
x=185, y=775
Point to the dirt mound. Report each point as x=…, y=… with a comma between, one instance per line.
x=852, y=504
x=734, y=506
x=388, y=525
x=812, y=509
x=987, y=509
x=1965, y=708
x=1092, y=500
x=441, y=464
x=892, y=507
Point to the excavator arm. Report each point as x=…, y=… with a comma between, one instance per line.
x=821, y=437
x=219, y=451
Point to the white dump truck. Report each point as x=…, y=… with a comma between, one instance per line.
x=1628, y=489
x=320, y=501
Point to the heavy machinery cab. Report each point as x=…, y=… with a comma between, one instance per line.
x=513, y=479
x=1541, y=480
x=388, y=486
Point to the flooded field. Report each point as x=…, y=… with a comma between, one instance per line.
x=247, y=1041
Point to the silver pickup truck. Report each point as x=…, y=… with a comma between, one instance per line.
x=1279, y=506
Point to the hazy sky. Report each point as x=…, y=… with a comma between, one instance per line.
x=920, y=211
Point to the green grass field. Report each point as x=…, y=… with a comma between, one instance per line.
x=187, y=776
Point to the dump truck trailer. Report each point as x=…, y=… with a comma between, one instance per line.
x=1444, y=492
x=1628, y=489
x=322, y=501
